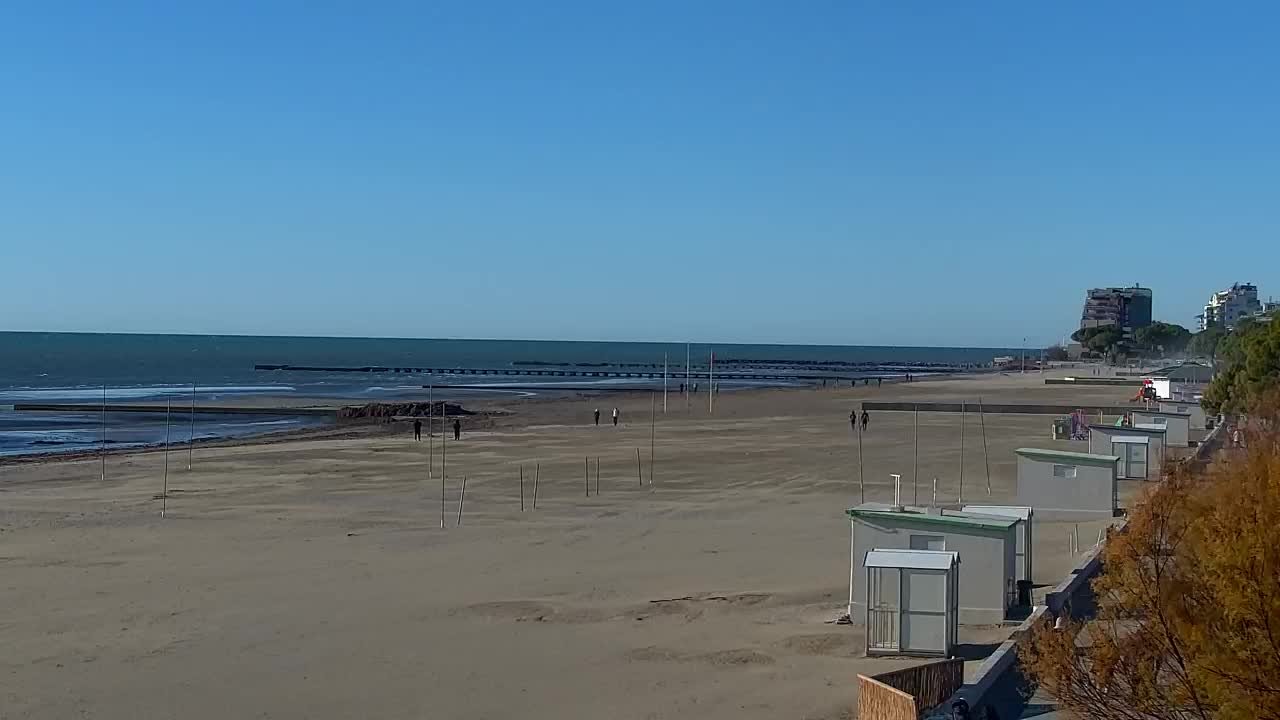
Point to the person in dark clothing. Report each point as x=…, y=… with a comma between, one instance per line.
x=457, y=428
x=597, y=416
x=866, y=418
x=853, y=420
x=681, y=388
x=615, y=417
x=879, y=382
x=417, y=430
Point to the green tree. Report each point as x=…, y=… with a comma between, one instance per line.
x=1056, y=353
x=1106, y=340
x=1205, y=342
x=1161, y=337
x=1248, y=367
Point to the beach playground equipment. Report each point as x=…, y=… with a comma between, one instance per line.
x=1071, y=427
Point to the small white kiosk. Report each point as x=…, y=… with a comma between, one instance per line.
x=912, y=602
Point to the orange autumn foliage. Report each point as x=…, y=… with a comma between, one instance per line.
x=1188, y=622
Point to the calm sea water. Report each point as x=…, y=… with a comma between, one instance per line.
x=73, y=367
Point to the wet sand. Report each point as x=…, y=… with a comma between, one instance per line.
x=309, y=577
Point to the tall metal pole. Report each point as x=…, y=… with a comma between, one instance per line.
x=986, y=462
x=688, y=382
x=1023, y=362
x=164, y=496
x=104, y=432
x=915, y=459
x=664, y=383
x=191, y=441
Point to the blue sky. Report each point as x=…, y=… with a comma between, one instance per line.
x=844, y=172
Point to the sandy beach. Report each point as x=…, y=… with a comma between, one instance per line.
x=309, y=577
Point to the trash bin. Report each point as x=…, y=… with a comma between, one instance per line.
x=1024, y=592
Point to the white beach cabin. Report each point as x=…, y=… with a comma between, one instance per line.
x=912, y=602
x=1024, y=515
x=1063, y=485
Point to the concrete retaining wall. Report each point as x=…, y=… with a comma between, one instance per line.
x=995, y=408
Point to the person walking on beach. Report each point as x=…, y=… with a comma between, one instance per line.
x=853, y=420
x=417, y=430
x=615, y=417
x=457, y=429
x=597, y=414
x=866, y=418
x=879, y=382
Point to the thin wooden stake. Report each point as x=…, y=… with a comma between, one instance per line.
x=986, y=461
x=933, y=502
x=960, y=497
x=586, y=474
x=461, y=497
x=915, y=458
x=104, y=432
x=444, y=454
x=862, y=488
x=431, y=441
x=537, y=475
x=191, y=441
x=653, y=418
x=711, y=385
x=664, y=383
x=597, y=475
x=521, y=488
x=164, y=496
x=639, y=473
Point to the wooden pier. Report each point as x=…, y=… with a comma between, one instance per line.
x=176, y=410
x=678, y=376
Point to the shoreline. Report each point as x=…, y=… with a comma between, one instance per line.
x=487, y=411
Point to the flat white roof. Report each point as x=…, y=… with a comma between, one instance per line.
x=1131, y=440
x=911, y=559
x=1150, y=426
x=1017, y=511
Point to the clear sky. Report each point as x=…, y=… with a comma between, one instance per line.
x=916, y=173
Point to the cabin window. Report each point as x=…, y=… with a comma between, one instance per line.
x=928, y=542
x=1064, y=471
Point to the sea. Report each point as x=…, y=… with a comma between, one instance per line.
x=74, y=368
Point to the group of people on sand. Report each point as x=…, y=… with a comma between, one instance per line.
x=457, y=429
x=615, y=416
x=853, y=419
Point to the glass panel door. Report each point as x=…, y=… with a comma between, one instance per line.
x=1136, y=460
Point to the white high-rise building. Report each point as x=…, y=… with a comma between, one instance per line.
x=1228, y=307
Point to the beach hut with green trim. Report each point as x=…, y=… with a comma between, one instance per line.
x=986, y=546
x=1139, y=447
x=1189, y=407
x=1063, y=485
x=1177, y=426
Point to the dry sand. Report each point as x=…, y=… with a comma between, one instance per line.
x=310, y=578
